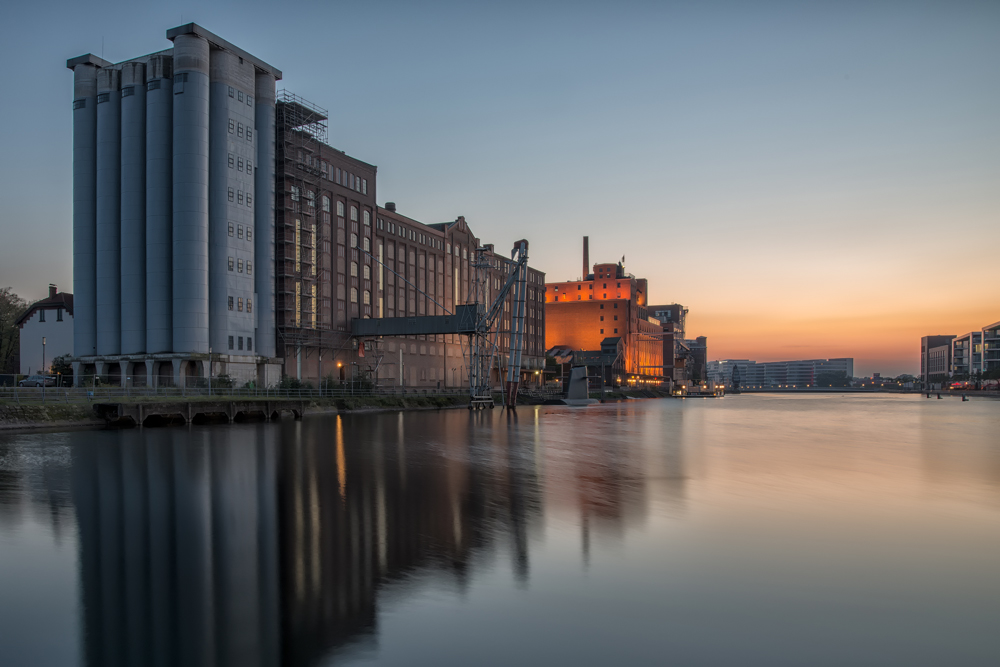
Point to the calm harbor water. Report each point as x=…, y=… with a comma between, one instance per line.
x=750, y=530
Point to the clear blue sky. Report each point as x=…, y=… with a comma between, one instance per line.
x=809, y=178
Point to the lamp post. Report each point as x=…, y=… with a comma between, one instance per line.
x=43, y=355
x=209, y=370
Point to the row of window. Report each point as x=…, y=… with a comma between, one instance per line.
x=239, y=197
x=602, y=330
x=296, y=195
x=239, y=341
x=239, y=304
x=59, y=311
x=239, y=231
x=590, y=286
x=236, y=162
x=239, y=265
x=240, y=130
x=238, y=95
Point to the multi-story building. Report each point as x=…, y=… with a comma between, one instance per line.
x=991, y=348
x=216, y=232
x=342, y=257
x=935, y=357
x=46, y=331
x=173, y=213
x=796, y=373
x=967, y=354
x=607, y=303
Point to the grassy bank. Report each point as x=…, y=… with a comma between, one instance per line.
x=46, y=416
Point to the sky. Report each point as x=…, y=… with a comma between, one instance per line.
x=810, y=179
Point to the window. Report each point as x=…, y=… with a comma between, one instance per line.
x=354, y=240
x=616, y=318
x=249, y=303
x=602, y=330
x=239, y=234
x=232, y=194
x=602, y=308
x=239, y=164
x=230, y=303
x=231, y=160
x=249, y=104
x=230, y=229
x=602, y=318
x=295, y=193
x=616, y=305
x=249, y=199
x=368, y=244
x=232, y=92
x=239, y=196
x=249, y=167
x=311, y=198
x=368, y=296
x=354, y=213
x=239, y=304
x=249, y=273
x=368, y=219
x=364, y=186
x=239, y=95
x=41, y=315
x=230, y=264
x=230, y=338
x=239, y=265
x=616, y=330
x=326, y=203
x=232, y=126
x=239, y=343
x=59, y=315
x=354, y=295
x=354, y=269
x=249, y=233
x=249, y=339
x=367, y=271
x=239, y=130
x=249, y=134
x=340, y=207
x=337, y=179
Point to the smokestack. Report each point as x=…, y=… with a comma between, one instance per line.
x=586, y=257
x=52, y=290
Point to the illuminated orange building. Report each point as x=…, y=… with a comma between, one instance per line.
x=605, y=304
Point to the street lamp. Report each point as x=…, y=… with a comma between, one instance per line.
x=43, y=356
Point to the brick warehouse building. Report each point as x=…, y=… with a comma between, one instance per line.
x=338, y=259
x=607, y=303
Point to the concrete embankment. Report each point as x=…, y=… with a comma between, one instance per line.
x=128, y=413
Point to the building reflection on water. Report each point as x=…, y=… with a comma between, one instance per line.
x=268, y=544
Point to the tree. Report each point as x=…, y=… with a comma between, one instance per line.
x=11, y=307
x=832, y=379
x=63, y=369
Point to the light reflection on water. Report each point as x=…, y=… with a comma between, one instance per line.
x=758, y=529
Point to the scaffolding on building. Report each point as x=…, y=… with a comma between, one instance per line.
x=302, y=269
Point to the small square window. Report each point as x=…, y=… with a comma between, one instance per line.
x=602, y=318
x=239, y=95
x=602, y=330
x=231, y=91
x=249, y=167
x=249, y=134
x=232, y=194
x=230, y=305
x=232, y=160
x=232, y=126
x=239, y=129
x=230, y=229
x=230, y=338
x=616, y=330
x=249, y=100
x=249, y=199
x=239, y=196
x=249, y=233
x=239, y=230
x=239, y=164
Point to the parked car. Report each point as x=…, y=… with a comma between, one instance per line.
x=38, y=381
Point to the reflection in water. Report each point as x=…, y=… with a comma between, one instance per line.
x=802, y=529
x=265, y=545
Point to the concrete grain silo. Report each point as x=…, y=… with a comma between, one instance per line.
x=173, y=249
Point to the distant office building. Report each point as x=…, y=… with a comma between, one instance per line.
x=991, y=348
x=967, y=354
x=674, y=314
x=173, y=213
x=606, y=303
x=50, y=319
x=935, y=357
x=797, y=373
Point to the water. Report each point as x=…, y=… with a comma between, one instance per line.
x=751, y=530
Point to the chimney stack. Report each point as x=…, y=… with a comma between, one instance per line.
x=586, y=257
x=52, y=290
